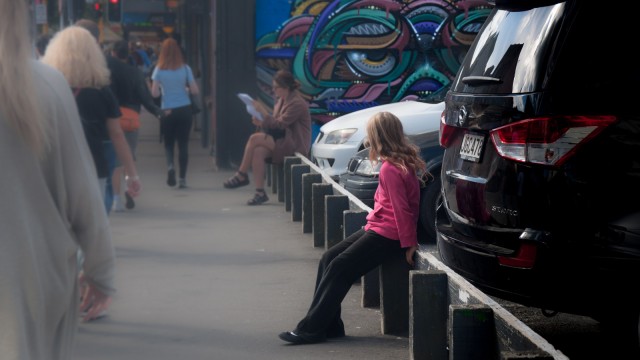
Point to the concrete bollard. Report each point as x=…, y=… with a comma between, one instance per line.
x=318, y=192
x=428, y=309
x=335, y=206
x=289, y=161
x=274, y=178
x=472, y=333
x=353, y=221
x=307, y=200
x=296, y=190
x=268, y=171
x=280, y=170
x=394, y=295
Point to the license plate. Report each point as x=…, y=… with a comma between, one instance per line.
x=472, y=146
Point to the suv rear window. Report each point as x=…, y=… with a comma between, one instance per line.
x=521, y=35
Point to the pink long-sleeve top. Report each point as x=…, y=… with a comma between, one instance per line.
x=396, y=205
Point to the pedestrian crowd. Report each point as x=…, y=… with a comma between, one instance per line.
x=69, y=121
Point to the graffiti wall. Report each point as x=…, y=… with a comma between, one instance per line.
x=353, y=54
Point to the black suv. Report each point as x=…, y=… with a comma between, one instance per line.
x=541, y=172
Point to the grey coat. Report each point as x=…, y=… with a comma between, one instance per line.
x=50, y=207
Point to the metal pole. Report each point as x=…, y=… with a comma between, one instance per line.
x=70, y=16
x=32, y=13
x=61, y=13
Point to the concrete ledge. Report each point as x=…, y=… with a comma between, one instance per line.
x=289, y=161
x=280, y=183
x=276, y=178
x=428, y=303
x=296, y=190
x=335, y=206
x=307, y=200
x=394, y=295
x=434, y=295
x=512, y=336
x=472, y=332
x=318, y=193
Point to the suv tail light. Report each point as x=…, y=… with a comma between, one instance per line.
x=548, y=140
x=447, y=132
x=525, y=258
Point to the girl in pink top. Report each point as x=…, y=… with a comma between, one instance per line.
x=391, y=228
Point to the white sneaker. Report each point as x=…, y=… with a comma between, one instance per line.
x=118, y=206
x=100, y=315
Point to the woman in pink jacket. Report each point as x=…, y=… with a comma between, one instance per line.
x=284, y=133
x=391, y=228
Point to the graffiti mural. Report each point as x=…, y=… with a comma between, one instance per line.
x=353, y=54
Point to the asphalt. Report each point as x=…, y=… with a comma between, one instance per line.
x=202, y=275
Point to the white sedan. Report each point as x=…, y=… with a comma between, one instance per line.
x=343, y=137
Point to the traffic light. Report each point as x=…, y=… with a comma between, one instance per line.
x=97, y=10
x=113, y=10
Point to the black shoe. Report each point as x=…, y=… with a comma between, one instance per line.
x=260, y=197
x=336, y=334
x=235, y=181
x=336, y=330
x=296, y=339
x=171, y=177
x=130, y=204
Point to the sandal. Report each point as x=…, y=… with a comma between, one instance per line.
x=235, y=181
x=260, y=197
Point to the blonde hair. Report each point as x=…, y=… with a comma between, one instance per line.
x=76, y=53
x=18, y=100
x=170, y=57
x=388, y=142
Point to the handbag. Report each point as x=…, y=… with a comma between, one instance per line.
x=130, y=119
x=195, y=109
x=275, y=133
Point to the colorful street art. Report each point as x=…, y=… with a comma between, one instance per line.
x=353, y=54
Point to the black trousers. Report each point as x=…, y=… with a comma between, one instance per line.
x=176, y=127
x=339, y=268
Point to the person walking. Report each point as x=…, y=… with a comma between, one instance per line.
x=130, y=88
x=74, y=52
x=50, y=204
x=282, y=134
x=391, y=229
x=173, y=79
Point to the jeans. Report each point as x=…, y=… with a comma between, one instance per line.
x=110, y=154
x=339, y=268
x=176, y=128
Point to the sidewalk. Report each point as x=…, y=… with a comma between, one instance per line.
x=201, y=275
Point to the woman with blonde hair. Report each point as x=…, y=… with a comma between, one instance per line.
x=75, y=53
x=173, y=79
x=50, y=204
x=391, y=229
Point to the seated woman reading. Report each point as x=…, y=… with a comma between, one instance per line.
x=285, y=132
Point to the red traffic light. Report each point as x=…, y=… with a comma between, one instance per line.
x=97, y=6
x=114, y=1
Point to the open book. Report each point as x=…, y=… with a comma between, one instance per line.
x=248, y=101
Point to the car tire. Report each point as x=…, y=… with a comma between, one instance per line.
x=430, y=197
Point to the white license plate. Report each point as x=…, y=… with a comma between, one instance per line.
x=472, y=147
